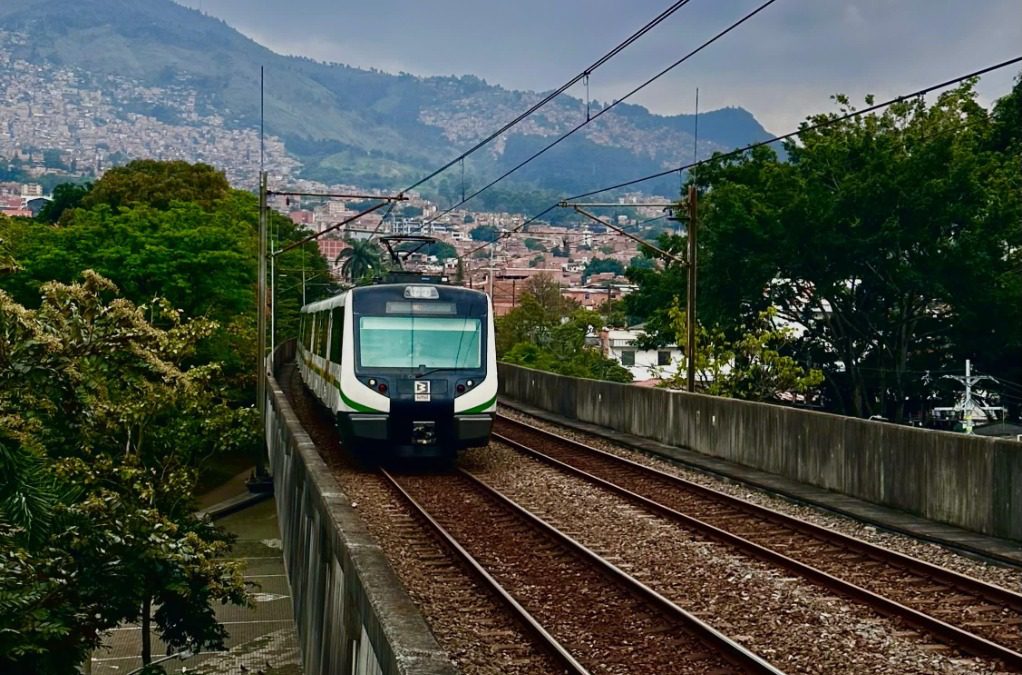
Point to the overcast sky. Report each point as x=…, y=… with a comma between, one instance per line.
x=782, y=65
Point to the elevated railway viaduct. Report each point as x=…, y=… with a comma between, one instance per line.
x=354, y=616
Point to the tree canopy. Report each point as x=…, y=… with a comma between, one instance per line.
x=548, y=332
x=157, y=184
x=102, y=430
x=891, y=242
x=601, y=265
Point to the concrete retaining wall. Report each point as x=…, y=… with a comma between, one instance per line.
x=968, y=481
x=352, y=614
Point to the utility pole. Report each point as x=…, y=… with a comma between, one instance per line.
x=493, y=249
x=273, y=301
x=690, y=304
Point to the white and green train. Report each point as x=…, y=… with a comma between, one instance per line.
x=409, y=370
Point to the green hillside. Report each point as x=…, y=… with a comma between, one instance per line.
x=347, y=124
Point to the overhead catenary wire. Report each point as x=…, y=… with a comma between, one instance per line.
x=589, y=119
x=653, y=23
x=804, y=128
x=584, y=75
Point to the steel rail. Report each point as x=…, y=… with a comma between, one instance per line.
x=964, y=639
x=709, y=636
x=569, y=662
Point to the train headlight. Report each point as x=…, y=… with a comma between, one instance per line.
x=372, y=382
x=470, y=383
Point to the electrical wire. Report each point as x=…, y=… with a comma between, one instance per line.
x=584, y=75
x=607, y=109
x=739, y=151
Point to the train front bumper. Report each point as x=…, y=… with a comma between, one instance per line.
x=466, y=431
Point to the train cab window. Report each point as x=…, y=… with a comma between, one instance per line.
x=336, y=334
x=411, y=341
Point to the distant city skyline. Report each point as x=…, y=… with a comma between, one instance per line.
x=782, y=65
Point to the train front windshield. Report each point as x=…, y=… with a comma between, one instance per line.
x=413, y=341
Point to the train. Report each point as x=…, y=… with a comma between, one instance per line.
x=409, y=370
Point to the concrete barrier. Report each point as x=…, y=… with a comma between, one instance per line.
x=351, y=612
x=967, y=481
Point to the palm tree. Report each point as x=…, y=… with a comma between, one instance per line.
x=362, y=257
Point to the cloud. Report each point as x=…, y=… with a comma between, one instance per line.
x=782, y=65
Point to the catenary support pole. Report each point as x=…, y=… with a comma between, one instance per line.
x=261, y=308
x=690, y=304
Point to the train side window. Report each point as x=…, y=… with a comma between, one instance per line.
x=322, y=320
x=336, y=334
x=302, y=330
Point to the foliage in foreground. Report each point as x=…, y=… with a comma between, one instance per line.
x=101, y=431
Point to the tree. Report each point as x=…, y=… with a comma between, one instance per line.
x=484, y=233
x=66, y=196
x=534, y=244
x=203, y=261
x=102, y=433
x=361, y=259
x=601, y=265
x=892, y=239
x=563, y=350
x=548, y=331
x=658, y=288
x=157, y=184
x=753, y=367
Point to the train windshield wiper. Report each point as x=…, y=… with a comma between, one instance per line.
x=424, y=373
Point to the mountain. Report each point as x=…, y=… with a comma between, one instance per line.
x=188, y=85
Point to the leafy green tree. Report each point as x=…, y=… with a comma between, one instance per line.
x=891, y=239
x=66, y=196
x=361, y=259
x=540, y=307
x=534, y=244
x=657, y=289
x=156, y=184
x=440, y=249
x=103, y=430
x=203, y=261
x=484, y=233
x=52, y=159
x=566, y=353
x=601, y=265
x=753, y=367
x=548, y=332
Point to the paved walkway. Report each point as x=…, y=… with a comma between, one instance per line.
x=262, y=638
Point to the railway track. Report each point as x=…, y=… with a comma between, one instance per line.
x=592, y=614
x=971, y=615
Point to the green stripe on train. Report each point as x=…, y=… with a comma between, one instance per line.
x=358, y=407
x=481, y=407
